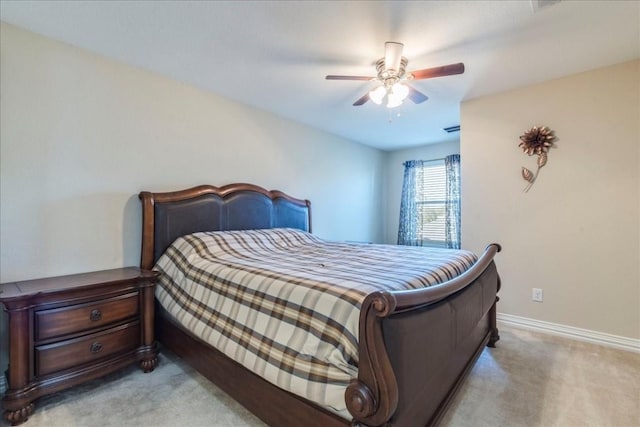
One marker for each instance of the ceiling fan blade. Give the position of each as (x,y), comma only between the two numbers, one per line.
(416,96)
(445,70)
(361,100)
(330,77)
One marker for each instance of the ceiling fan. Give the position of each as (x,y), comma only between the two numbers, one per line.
(392,78)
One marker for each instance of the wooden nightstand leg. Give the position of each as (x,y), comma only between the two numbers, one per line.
(150,350)
(17,406)
(19,416)
(148,365)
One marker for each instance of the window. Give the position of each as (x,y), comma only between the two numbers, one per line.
(430,206)
(431,194)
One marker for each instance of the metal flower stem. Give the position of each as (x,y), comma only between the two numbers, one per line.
(530,184)
(526,173)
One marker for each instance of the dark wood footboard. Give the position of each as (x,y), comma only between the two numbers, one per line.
(417,346)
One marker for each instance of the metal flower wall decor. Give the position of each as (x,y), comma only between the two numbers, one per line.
(536,140)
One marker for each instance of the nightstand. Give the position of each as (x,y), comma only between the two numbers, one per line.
(66,330)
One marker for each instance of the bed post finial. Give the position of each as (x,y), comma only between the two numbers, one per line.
(148,226)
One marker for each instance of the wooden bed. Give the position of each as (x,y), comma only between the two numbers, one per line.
(415,348)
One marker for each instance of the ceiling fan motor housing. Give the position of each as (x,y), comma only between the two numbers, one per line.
(390,76)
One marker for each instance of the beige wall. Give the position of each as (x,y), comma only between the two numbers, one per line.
(395,175)
(82,135)
(575,234)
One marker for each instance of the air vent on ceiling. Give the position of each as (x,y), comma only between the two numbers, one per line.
(536,5)
(452,129)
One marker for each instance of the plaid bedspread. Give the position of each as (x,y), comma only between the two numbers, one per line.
(285,304)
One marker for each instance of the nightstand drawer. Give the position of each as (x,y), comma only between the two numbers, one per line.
(65,354)
(77,318)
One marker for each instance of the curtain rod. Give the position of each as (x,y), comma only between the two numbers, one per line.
(430,160)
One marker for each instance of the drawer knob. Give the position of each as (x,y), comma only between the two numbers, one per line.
(95,315)
(96,347)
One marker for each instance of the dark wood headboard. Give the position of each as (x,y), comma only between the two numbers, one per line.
(167,216)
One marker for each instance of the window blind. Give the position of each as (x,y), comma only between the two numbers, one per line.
(431,196)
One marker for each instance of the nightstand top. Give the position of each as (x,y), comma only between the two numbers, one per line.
(12,290)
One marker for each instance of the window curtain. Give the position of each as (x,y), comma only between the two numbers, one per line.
(408,227)
(452,204)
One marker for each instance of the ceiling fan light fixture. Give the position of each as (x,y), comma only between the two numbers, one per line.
(378,94)
(393,102)
(396,94)
(399,91)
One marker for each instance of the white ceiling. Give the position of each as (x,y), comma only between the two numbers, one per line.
(274,55)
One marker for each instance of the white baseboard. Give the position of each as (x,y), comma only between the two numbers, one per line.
(615,341)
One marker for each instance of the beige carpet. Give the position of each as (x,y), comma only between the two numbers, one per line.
(530,379)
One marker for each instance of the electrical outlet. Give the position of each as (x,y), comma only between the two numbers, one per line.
(536,294)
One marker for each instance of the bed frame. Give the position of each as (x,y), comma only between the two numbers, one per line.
(415,349)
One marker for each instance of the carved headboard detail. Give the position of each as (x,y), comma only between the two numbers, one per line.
(169,215)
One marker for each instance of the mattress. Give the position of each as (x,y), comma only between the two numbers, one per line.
(286,304)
